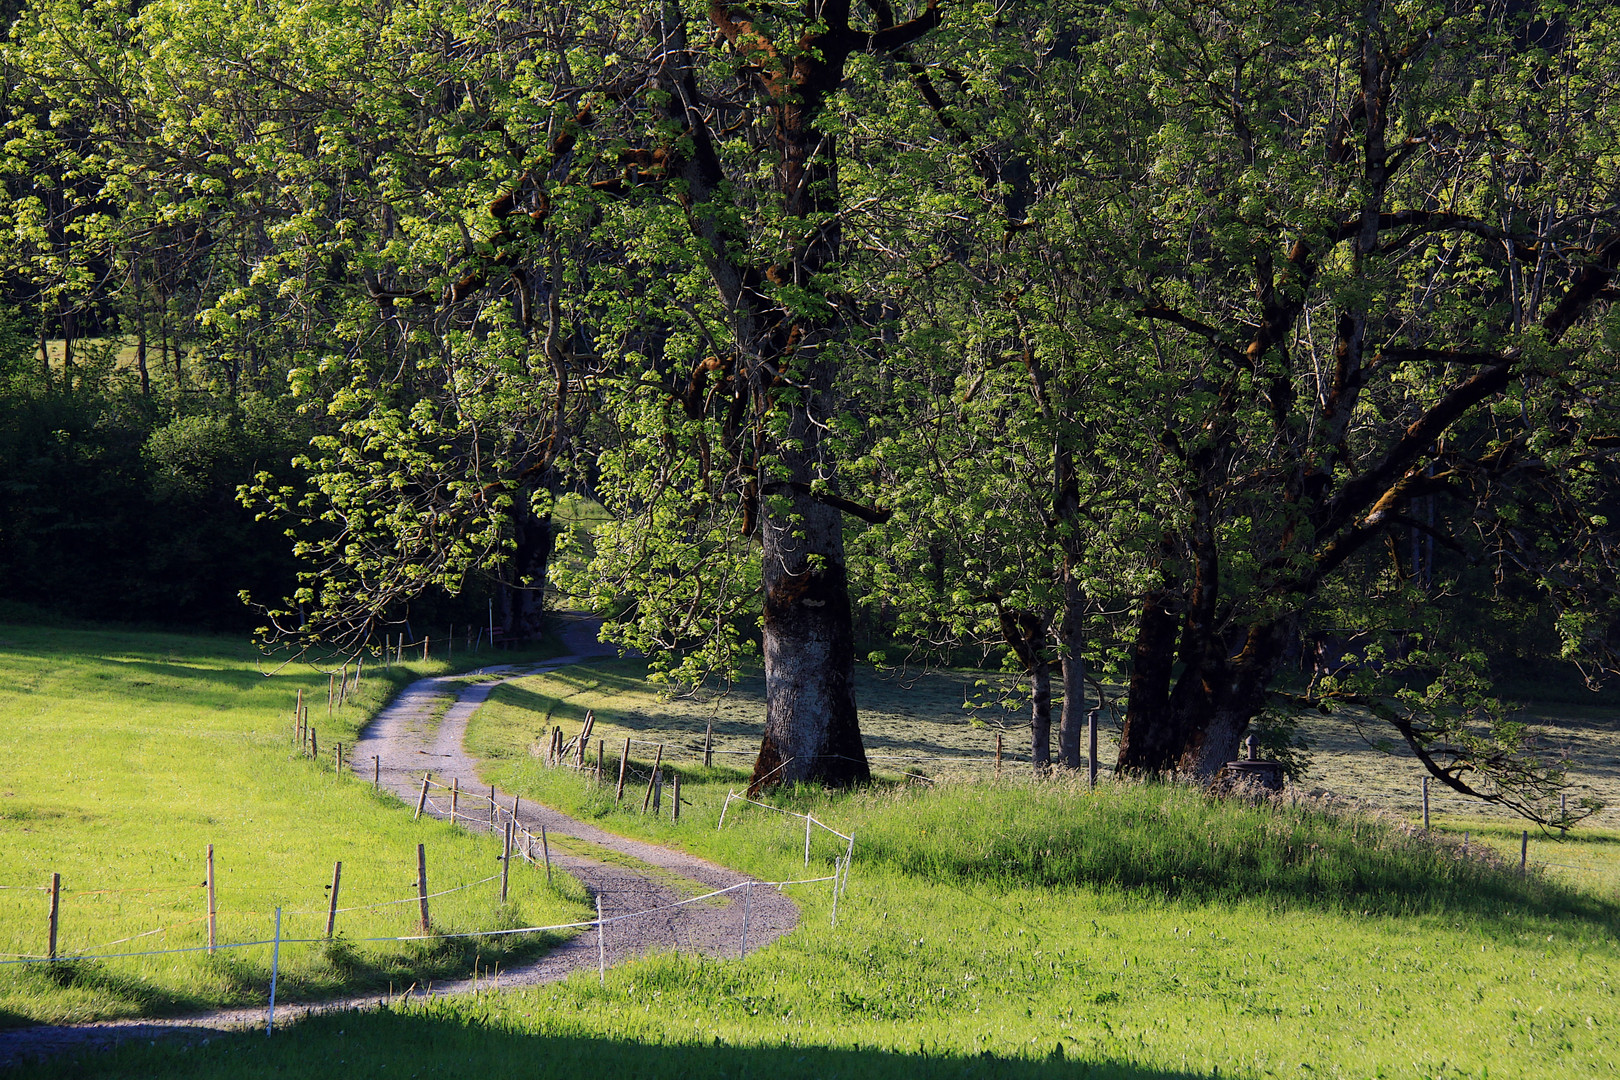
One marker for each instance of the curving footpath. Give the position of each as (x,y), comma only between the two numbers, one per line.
(407,743)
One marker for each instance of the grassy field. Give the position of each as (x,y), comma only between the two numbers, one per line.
(1007,928)
(127,754)
(1021,930)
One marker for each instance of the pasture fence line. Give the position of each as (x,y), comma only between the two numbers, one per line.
(518,841)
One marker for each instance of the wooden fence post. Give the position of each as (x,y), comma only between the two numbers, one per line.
(506,860)
(998,755)
(212,910)
(676,813)
(601,754)
(331,906)
(337,760)
(708,744)
(1425,804)
(1524,852)
(376,770)
(624,761)
(314,745)
(455,796)
(421,884)
(808,821)
(422,801)
(331,692)
(298,712)
(653,778)
(56,906)
(494,811)
(545,849)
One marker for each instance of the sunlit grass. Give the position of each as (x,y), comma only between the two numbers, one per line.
(128,754)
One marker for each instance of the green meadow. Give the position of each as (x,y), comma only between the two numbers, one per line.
(1018,929)
(127,754)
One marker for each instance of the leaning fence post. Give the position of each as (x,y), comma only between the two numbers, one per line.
(849,857)
(275,969)
(624,762)
(422,801)
(56,905)
(545,849)
(331,907)
(653,778)
(211,908)
(421,884)
(729,796)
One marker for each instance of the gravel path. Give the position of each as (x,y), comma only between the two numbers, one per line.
(408,743)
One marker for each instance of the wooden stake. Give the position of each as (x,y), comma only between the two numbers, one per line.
(808,821)
(314,744)
(298,712)
(212,909)
(331,691)
(493,809)
(514,808)
(1524,852)
(422,801)
(421,884)
(56,906)
(424,647)
(1091,737)
(1425,804)
(545,849)
(601,945)
(506,860)
(331,906)
(624,761)
(708,745)
(455,796)
(601,752)
(337,760)
(376,770)
(658,792)
(998,755)
(653,778)
(675,815)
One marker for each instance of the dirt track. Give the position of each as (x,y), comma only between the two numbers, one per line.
(408,743)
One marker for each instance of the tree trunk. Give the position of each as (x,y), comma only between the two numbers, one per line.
(1040,716)
(1071,635)
(811,730)
(1150,742)
(522,592)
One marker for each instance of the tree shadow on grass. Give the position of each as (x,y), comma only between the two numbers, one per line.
(416,1042)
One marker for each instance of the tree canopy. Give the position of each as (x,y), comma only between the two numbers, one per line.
(1251,355)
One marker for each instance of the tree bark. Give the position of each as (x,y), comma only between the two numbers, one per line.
(1071,635)
(522,592)
(811,730)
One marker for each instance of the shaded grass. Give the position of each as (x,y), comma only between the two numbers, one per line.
(129,753)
